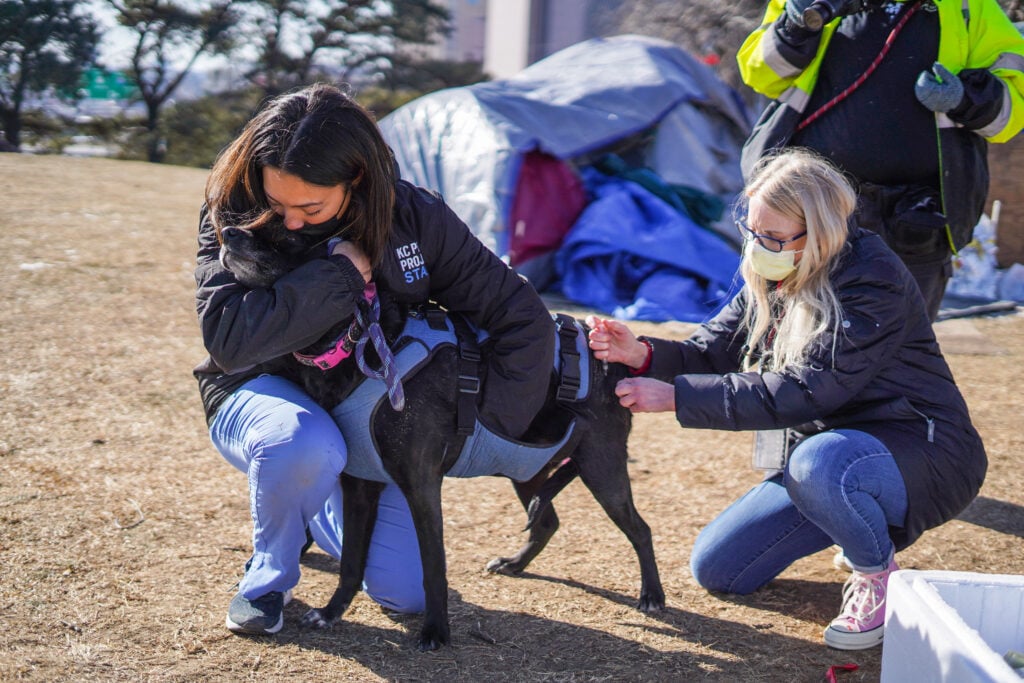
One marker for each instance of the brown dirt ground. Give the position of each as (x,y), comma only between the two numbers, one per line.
(122,531)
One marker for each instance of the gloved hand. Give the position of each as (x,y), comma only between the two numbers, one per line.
(795,11)
(824,12)
(939,89)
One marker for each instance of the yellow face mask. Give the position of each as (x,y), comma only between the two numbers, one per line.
(771,265)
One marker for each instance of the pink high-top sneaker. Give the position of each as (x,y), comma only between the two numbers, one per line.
(861,624)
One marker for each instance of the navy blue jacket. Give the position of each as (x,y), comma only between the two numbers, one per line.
(431,256)
(882,374)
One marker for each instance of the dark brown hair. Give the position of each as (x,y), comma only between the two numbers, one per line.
(324,137)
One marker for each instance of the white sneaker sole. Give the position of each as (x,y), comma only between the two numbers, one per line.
(238,628)
(850,640)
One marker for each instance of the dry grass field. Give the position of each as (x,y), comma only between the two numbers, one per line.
(122,531)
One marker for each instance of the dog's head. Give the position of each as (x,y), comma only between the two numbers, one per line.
(259,256)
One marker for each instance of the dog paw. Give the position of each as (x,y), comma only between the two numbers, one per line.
(651,603)
(314,618)
(431,638)
(507,566)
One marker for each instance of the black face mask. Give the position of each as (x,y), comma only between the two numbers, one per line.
(314,234)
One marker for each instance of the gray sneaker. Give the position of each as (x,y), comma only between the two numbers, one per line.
(261,616)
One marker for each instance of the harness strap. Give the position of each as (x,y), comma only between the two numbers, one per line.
(437,318)
(469,374)
(569,377)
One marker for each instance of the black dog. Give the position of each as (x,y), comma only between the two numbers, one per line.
(420,443)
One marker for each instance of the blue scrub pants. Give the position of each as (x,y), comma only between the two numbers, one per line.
(293,453)
(840,487)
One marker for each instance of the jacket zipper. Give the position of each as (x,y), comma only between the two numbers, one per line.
(931,424)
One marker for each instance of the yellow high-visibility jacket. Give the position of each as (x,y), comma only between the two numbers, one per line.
(974,34)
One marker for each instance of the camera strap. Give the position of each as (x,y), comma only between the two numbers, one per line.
(867,72)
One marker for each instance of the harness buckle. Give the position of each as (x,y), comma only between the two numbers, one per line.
(469,384)
(436,318)
(568,389)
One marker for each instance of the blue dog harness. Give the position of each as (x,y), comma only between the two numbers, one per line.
(484,452)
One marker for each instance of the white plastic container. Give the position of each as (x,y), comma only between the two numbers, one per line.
(952,626)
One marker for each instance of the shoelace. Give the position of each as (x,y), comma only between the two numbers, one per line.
(860,591)
(372,332)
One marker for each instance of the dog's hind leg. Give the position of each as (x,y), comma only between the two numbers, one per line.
(542,522)
(360,499)
(565,473)
(603,470)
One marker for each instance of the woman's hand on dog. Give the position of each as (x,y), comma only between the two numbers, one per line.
(354,254)
(613,342)
(646,395)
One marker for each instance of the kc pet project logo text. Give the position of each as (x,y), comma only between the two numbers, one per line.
(410,259)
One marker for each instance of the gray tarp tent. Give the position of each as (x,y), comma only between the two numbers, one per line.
(468,143)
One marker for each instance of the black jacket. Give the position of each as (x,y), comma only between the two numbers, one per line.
(883,374)
(881,134)
(431,255)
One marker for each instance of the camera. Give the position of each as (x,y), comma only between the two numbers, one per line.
(820,12)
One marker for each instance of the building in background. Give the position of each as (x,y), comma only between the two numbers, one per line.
(465,43)
(508,35)
(521,32)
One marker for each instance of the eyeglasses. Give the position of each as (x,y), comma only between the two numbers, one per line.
(769,243)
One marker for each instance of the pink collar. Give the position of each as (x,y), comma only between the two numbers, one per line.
(343,346)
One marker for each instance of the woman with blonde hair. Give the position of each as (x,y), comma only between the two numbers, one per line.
(827,351)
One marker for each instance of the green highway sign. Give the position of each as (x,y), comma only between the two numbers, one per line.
(107,85)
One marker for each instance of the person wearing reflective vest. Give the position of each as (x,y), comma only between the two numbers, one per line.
(902,96)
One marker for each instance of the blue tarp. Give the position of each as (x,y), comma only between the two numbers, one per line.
(633,255)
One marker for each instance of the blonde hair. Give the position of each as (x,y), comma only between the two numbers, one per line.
(805,187)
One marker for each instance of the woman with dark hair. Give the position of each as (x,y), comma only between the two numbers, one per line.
(829,350)
(316,160)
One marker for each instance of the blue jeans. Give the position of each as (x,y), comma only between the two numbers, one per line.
(840,487)
(293,453)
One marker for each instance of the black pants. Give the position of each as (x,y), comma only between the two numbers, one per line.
(931,277)
(906,217)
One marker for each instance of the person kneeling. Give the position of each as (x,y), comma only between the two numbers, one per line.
(829,340)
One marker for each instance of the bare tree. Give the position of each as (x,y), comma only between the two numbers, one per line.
(711,30)
(1014,9)
(298,41)
(44,45)
(168,34)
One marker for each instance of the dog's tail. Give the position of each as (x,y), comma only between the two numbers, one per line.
(566,472)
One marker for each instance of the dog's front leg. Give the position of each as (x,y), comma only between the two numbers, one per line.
(360,499)
(425,504)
